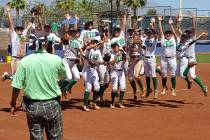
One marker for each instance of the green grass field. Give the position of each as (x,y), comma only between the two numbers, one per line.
(201,58)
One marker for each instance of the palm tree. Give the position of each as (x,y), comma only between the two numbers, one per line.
(66,4)
(134,4)
(18,5)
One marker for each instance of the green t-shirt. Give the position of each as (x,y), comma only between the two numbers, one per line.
(54,27)
(38,75)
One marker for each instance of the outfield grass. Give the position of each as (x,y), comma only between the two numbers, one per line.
(201,58)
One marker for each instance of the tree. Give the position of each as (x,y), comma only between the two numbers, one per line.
(151,12)
(1,14)
(66,4)
(134,4)
(18,5)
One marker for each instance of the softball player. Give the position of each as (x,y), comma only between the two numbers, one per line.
(118,59)
(150,61)
(18,42)
(89,33)
(136,61)
(93,58)
(188,61)
(104,68)
(72,49)
(168,57)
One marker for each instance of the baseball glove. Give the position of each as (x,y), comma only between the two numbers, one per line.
(107,57)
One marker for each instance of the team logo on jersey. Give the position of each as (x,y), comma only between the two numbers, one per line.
(120,42)
(168,43)
(148,43)
(74,45)
(119,58)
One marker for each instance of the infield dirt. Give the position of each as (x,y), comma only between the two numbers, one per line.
(184,117)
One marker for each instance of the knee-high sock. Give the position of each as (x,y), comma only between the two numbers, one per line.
(199,82)
(70,84)
(121,96)
(86,97)
(140,84)
(173,82)
(158,70)
(95,96)
(133,85)
(164,81)
(113,94)
(155,83)
(187,80)
(102,89)
(63,84)
(148,82)
(186,71)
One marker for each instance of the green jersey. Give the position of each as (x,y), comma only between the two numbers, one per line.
(38,75)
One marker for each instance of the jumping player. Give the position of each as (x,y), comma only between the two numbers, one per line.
(150,61)
(135,61)
(168,58)
(18,42)
(104,68)
(188,62)
(92,59)
(118,60)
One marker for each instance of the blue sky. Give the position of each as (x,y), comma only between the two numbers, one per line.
(200,4)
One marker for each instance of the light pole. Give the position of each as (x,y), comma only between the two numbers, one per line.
(180,7)
(111,15)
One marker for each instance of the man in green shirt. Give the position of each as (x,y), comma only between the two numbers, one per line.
(37,75)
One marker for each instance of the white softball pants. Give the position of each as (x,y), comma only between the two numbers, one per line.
(118,80)
(91,78)
(168,63)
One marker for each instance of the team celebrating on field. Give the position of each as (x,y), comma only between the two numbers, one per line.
(101,59)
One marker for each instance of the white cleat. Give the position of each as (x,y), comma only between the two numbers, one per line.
(3,78)
(155,94)
(112,106)
(96,106)
(121,105)
(173,92)
(163,91)
(86,108)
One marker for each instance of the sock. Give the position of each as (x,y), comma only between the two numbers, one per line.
(70,84)
(158,70)
(133,85)
(102,89)
(186,71)
(187,80)
(86,97)
(199,82)
(121,96)
(164,81)
(95,96)
(173,82)
(63,84)
(148,82)
(155,83)
(140,84)
(113,94)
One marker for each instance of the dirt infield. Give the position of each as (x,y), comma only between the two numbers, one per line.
(184,117)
